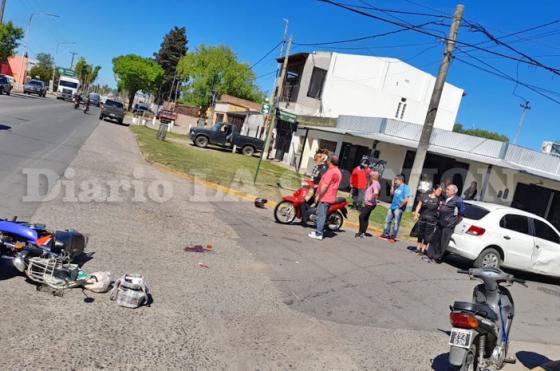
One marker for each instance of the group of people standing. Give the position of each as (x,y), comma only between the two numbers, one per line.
(436,215)
(438,211)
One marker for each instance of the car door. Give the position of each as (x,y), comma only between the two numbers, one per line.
(546,253)
(516,240)
(221,134)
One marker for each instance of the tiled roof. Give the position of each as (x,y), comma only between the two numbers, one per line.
(252,106)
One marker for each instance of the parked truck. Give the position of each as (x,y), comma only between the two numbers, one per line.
(226,135)
(67,87)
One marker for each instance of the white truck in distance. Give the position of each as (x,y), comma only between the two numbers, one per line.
(67,87)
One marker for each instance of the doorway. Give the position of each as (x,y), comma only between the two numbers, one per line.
(542,201)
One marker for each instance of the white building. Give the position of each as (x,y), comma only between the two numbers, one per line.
(551,148)
(329,85)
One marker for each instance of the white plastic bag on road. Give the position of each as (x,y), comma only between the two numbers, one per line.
(98,282)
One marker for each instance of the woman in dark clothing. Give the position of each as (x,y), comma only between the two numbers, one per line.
(425,215)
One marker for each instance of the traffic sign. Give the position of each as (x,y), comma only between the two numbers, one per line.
(287,116)
(265,108)
(66,72)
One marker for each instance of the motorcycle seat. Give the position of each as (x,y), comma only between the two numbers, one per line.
(339,200)
(480,309)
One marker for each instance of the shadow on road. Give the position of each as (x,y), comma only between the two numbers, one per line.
(5,127)
(441,362)
(7,270)
(532,359)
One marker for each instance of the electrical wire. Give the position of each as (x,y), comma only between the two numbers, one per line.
(497,72)
(266,55)
(373,16)
(372,7)
(368,37)
(266,74)
(394,46)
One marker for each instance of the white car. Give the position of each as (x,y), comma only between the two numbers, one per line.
(500,236)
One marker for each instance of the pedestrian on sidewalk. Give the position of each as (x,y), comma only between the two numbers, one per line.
(401,193)
(319,169)
(450,214)
(370,202)
(326,194)
(359,183)
(426,215)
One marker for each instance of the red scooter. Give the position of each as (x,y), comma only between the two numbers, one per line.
(289,209)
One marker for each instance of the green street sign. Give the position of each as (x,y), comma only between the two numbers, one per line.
(265,108)
(66,72)
(287,116)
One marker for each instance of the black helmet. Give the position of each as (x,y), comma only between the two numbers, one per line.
(259,202)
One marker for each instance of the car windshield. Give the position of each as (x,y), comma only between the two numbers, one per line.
(35,82)
(68,84)
(112,103)
(475,212)
(94,96)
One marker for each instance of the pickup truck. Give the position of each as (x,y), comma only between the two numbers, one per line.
(225,135)
(166,116)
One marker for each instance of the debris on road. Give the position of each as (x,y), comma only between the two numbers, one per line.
(98,282)
(202,265)
(198,248)
(260,202)
(131,291)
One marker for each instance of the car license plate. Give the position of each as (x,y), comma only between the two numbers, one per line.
(461,338)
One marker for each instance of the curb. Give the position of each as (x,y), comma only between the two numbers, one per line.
(238,194)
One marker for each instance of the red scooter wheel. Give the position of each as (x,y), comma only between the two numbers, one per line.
(285,212)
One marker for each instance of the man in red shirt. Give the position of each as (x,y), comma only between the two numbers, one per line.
(358,182)
(326,194)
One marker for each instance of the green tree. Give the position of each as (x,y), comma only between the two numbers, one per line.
(86,73)
(213,71)
(44,68)
(41,73)
(45,60)
(10,36)
(173,47)
(135,73)
(458,128)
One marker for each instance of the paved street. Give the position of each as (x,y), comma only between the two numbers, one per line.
(270,299)
(36,134)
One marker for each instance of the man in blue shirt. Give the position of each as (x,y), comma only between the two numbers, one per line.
(400,193)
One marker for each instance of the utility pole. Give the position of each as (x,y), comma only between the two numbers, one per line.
(525,107)
(2,11)
(424,142)
(275,103)
(72,60)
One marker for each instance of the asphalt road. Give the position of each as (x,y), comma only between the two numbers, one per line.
(270,299)
(41,134)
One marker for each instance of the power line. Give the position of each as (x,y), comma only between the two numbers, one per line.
(377,46)
(372,7)
(266,55)
(373,16)
(265,74)
(368,37)
(496,72)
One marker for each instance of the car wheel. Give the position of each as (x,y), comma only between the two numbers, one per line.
(489,258)
(8,92)
(248,151)
(201,141)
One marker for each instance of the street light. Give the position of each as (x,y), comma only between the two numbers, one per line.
(51,85)
(24,71)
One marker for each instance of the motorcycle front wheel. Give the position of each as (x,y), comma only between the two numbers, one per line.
(334,223)
(285,212)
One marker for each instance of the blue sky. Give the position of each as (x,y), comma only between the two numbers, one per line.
(104,29)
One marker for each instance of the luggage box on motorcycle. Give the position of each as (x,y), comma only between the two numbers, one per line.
(72,242)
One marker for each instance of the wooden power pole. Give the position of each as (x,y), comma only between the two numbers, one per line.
(2,8)
(275,103)
(424,142)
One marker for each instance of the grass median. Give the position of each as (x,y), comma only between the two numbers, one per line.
(236,171)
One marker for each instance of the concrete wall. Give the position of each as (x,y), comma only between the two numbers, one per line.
(374,86)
